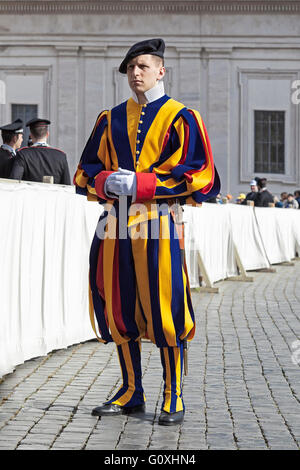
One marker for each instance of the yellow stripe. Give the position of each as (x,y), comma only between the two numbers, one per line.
(165,281)
(201,179)
(92,316)
(189,325)
(179,405)
(155,136)
(80,179)
(139,320)
(131,378)
(167,405)
(167,166)
(139,251)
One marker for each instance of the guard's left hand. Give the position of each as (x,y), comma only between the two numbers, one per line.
(121,183)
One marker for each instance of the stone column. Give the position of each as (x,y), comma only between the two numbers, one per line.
(189,76)
(218,111)
(67,121)
(92,89)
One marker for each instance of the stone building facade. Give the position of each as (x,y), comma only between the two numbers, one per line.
(237,62)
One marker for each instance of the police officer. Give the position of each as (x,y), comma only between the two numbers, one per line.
(12,136)
(39,160)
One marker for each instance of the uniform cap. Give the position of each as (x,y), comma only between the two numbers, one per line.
(37,122)
(150,46)
(16,127)
(253,183)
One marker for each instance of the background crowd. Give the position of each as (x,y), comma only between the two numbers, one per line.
(261,197)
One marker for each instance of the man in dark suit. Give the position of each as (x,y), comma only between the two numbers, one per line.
(264,196)
(39,160)
(12,136)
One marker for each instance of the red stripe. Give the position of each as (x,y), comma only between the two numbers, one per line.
(186,142)
(145,186)
(99,183)
(166,138)
(116,298)
(208,152)
(208,156)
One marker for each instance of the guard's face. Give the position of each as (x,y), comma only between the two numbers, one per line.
(19,140)
(143,72)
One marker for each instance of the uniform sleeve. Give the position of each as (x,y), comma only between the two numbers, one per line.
(18,168)
(95,163)
(185,167)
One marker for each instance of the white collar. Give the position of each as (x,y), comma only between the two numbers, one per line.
(40,144)
(153,94)
(9,148)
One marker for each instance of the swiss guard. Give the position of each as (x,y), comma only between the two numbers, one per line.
(144,158)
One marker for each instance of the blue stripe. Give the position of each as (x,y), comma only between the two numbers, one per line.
(135,354)
(82,191)
(163,362)
(124,388)
(120,136)
(163,191)
(90,162)
(97,300)
(177,302)
(150,111)
(127,282)
(152,256)
(200,197)
(173,380)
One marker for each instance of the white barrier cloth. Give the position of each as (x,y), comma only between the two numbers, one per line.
(246,237)
(45,235)
(208,232)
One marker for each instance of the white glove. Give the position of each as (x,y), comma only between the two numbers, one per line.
(121,183)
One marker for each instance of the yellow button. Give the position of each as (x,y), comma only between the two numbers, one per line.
(142,113)
(138,141)
(139,131)
(144,105)
(141,122)
(137,152)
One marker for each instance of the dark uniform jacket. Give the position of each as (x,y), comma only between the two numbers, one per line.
(32,163)
(252,196)
(264,198)
(6,163)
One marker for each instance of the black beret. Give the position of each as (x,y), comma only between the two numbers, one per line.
(150,46)
(16,127)
(37,122)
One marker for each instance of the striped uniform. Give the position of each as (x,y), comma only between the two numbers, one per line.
(138,285)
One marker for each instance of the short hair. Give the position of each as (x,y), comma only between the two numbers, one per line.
(7,136)
(262,183)
(159,60)
(39,132)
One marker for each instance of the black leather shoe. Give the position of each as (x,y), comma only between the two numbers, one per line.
(170,419)
(108,409)
(111,409)
(131,410)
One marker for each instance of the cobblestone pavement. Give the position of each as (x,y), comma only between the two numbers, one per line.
(242,391)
